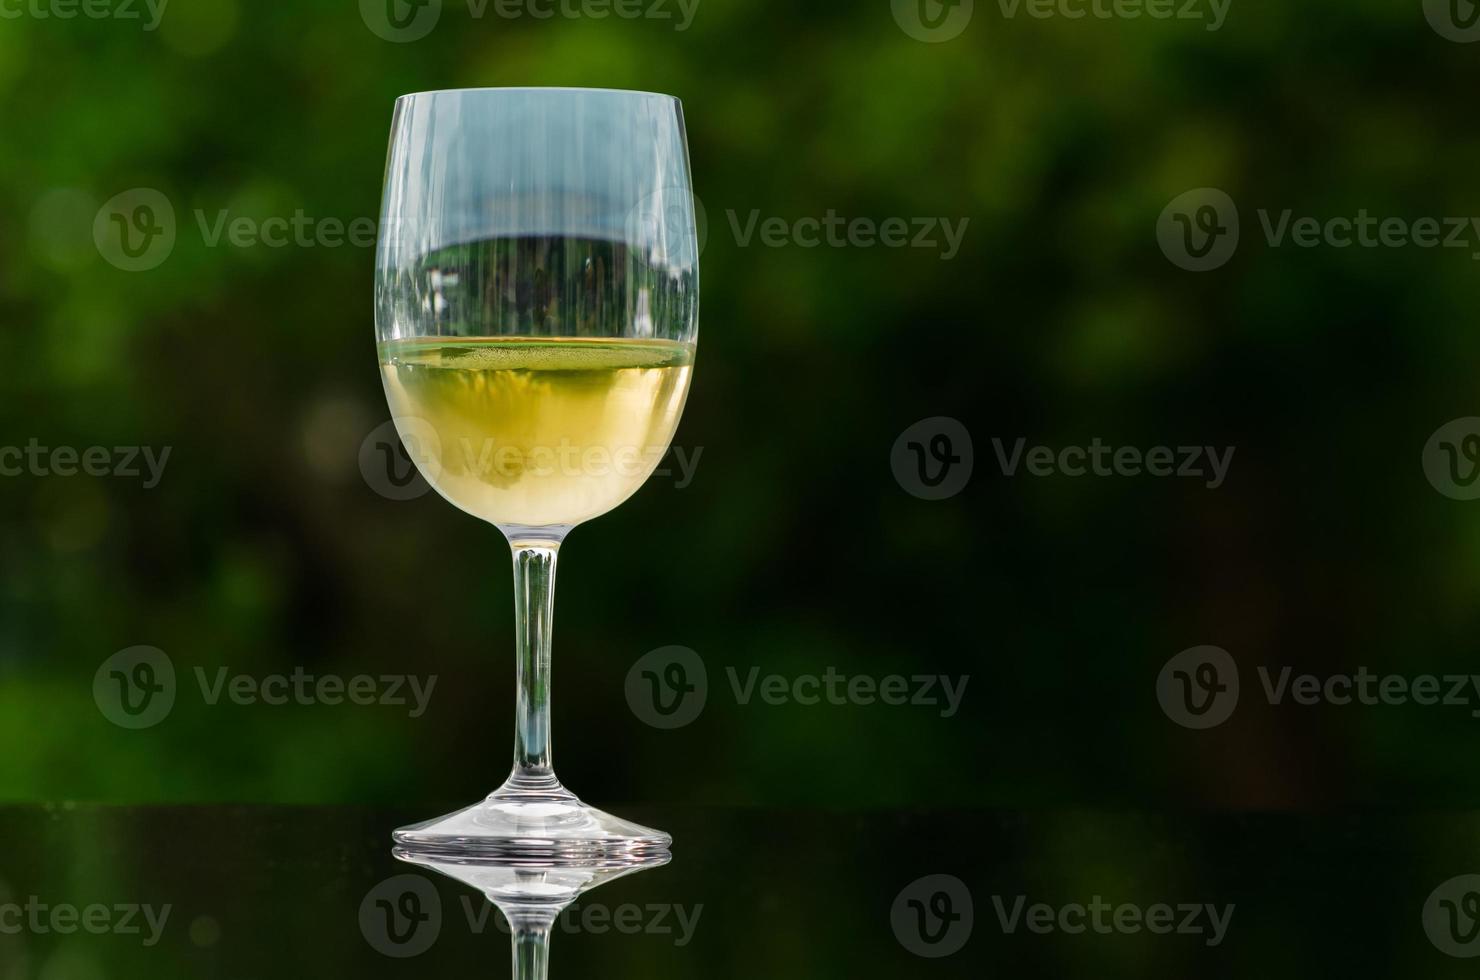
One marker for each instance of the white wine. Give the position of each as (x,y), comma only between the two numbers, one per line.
(536,431)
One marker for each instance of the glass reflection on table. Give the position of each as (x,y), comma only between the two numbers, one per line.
(532,892)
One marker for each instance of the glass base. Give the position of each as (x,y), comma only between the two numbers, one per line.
(531,886)
(524,824)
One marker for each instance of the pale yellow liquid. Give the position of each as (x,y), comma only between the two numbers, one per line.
(536,431)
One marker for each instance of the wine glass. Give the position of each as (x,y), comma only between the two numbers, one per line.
(536,312)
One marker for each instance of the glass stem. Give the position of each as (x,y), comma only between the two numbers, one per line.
(531,942)
(534,609)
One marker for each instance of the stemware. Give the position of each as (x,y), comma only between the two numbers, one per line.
(536,300)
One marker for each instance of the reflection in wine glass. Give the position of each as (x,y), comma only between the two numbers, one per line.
(532,892)
(536,308)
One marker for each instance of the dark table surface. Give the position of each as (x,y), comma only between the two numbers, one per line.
(252,892)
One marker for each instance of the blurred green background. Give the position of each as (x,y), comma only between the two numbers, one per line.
(262,548)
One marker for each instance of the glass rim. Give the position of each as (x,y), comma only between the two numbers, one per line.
(537,88)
